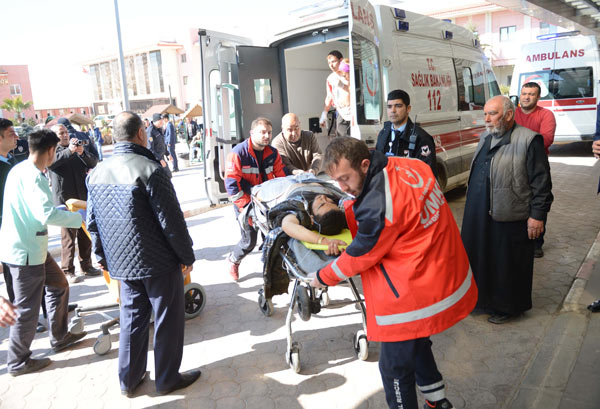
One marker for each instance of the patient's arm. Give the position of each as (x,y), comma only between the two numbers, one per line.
(292,227)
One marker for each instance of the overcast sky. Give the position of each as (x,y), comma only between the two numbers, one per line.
(54,37)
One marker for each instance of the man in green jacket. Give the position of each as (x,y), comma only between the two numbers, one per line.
(27,211)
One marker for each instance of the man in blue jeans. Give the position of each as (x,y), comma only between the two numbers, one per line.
(28,209)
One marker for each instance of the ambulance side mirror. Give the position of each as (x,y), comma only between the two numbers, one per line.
(514,99)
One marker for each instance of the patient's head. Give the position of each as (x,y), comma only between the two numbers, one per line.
(327,216)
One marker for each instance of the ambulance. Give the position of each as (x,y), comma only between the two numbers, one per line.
(566,66)
(439,64)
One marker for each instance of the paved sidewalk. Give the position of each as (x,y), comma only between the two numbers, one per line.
(546,359)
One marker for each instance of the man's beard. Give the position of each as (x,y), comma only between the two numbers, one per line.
(496,131)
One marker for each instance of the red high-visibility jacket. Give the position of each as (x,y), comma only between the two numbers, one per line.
(408,250)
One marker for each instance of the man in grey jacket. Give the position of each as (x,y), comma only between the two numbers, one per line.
(140,236)
(509,195)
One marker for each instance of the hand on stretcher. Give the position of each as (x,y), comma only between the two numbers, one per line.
(185,270)
(314,282)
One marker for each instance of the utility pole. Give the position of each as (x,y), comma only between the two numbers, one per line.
(121,61)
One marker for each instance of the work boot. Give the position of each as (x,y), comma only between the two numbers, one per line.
(185,380)
(440,404)
(32,365)
(234,270)
(73,279)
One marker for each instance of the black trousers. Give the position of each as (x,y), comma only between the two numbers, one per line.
(68,237)
(164,296)
(247,241)
(401,364)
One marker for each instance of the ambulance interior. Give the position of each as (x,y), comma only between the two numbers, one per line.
(306,71)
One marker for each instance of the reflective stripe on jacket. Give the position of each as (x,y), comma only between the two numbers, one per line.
(242,171)
(409,252)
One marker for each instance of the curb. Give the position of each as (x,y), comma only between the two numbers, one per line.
(571,302)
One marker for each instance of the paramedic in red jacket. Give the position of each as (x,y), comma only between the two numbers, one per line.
(414,268)
(249,164)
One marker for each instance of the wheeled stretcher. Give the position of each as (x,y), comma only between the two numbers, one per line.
(195,299)
(286,258)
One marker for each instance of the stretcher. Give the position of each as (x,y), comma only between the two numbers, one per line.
(195,298)
(283,255)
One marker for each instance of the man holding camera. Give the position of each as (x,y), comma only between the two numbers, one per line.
(73,161)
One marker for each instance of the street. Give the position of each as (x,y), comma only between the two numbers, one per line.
(241,352)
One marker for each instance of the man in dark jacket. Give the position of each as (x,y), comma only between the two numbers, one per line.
(139,233)
(170,140)
(82,136)
(400,136)
(156,140)
(68,173)
(508,197)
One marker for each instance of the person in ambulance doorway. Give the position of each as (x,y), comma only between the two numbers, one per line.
(401,137)
(250,163)
(333,61)
(415,272)
(508,196)
(540,120)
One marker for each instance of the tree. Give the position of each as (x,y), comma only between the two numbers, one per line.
(16,105)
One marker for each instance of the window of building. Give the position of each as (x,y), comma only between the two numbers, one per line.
(61,112)
(185,80)
(15,89)
(183,58)
(508,33)
(156,75)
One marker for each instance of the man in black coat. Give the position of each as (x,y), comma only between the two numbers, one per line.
(67,174)
(401,137)
(82,136)
(139,233)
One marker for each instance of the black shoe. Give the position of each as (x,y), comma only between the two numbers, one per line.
(538,253)
(69,340)
(40,328)
(131,392)
(186,379)
(91,271)
(32,365)
(501,318)
(440,404)
(595,306)
(72,307)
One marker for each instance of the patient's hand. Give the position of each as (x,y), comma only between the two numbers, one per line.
(333,246)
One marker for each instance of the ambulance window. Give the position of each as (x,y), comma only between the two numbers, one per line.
(262,91)
(471,91)
(493,87)
(368,81)
(215,82)
(561,84)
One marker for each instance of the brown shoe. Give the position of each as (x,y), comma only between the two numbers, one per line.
(234,270)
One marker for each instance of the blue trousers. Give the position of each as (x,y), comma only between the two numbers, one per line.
(164,296)
(173,155)
(401,364)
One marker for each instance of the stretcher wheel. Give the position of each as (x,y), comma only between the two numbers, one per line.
(195,300)
(325,299)
(76,325)
(102,344)
(265,304)
(293,358)
(303,303)
(361,345)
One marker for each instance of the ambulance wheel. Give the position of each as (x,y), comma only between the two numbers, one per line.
(103,344)
(294,358)
(265,305)
(195,300)
(76,325)
(361,345)
(303,303)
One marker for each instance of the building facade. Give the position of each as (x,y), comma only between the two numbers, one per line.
(14,81)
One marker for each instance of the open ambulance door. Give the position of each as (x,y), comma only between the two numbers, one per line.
(221,105)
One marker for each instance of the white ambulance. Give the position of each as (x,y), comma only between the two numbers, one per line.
(439,64)
(566,67)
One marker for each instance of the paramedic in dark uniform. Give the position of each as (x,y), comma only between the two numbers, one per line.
(400,136)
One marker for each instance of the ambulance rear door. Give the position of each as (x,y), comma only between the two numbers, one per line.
(221,105)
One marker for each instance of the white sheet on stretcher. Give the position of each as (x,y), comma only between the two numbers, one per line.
(275,191)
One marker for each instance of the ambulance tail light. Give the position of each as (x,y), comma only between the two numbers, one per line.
(402,26)
(447,35)
(558,35)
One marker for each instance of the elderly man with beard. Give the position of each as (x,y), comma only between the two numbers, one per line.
(508,197)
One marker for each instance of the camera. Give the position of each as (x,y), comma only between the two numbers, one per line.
(81,142)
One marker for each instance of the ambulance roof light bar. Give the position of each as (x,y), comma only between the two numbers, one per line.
(552,36)
(447,35)
(399,13)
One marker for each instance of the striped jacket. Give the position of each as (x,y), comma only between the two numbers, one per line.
(242,171)
(408,250)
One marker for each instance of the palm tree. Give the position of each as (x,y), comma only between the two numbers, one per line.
(16,105)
